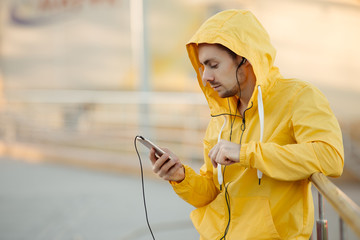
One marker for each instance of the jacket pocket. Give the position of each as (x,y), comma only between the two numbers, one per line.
(251,219)
(209,220)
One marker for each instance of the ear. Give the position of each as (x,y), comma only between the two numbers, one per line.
(241,60)
(246,62)
(238,59)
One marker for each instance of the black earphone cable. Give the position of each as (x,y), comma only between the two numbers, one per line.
(143,189)
(225,114)
(227,196)
(227,199)
(236,74)
(231,117)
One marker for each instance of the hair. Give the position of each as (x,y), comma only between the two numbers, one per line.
(229,51)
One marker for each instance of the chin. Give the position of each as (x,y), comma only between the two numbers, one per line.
(225,94)
(222,95)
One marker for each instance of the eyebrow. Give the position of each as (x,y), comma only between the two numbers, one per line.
(206,62)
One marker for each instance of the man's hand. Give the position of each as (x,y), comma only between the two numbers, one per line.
(224,153)
(169,169)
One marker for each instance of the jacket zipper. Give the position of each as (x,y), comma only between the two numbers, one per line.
(243,125)
(227,196)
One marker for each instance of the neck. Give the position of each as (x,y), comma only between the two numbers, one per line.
(246,91)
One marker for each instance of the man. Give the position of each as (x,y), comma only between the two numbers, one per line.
(266,137)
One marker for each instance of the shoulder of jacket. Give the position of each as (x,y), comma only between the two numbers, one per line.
(293,86)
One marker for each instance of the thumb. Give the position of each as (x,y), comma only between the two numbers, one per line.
(215,164)
(153,157)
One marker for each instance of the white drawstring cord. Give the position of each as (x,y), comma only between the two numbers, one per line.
(220,176)
(261,118)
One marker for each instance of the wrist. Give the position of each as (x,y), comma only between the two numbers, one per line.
(182,174)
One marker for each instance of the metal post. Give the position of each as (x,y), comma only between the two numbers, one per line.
(321,223)
(342,229)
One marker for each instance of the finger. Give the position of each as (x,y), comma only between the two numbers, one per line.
(160,162)
(219,157)
(173,172)
(213,152)
(214,163)
(152,156)
(166,168)
(213,155)
(222,158)
(171,154)
(166,150)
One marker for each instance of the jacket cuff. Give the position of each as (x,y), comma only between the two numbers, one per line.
(184,183)
(243,160)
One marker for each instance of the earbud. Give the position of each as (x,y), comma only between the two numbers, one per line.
(242,62)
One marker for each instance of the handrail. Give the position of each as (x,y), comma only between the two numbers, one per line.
(343,205)
(69,96)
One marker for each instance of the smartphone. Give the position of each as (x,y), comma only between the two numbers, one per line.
(147,143)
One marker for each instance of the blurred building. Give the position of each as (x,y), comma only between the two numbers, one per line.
(79,86)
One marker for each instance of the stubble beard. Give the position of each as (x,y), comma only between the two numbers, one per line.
(229,92)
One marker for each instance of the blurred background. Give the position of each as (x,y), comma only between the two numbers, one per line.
(79,79)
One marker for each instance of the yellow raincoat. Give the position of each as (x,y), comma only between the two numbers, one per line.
(301,136)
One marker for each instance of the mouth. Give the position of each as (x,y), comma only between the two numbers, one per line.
(215,87)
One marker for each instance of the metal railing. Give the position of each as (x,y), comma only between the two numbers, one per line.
(343,205)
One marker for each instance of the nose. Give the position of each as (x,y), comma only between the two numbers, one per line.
(207,76)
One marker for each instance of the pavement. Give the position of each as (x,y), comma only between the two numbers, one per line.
(49,201)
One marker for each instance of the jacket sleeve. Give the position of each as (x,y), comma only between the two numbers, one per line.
(197,189)
(318,143)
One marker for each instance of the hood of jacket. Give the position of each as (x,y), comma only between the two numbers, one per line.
(241,32)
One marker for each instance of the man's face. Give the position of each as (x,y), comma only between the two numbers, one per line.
(220,70)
